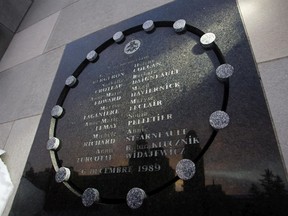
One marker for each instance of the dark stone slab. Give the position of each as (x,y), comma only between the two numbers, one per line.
(141,107)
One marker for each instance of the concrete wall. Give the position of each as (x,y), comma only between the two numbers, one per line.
(11,15)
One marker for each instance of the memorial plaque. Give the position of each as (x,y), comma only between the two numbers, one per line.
(127,121)
(161,118)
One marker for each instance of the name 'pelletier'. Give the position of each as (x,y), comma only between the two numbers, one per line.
(150,119)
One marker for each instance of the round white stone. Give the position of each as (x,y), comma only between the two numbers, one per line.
(70,81)
(219,120)
(135,198)
(63,174)
(224,71)
(118,37)
(53,143)
(179,25)
(148,25)
(56,111)
(185,169)
(207,39)
(91,56)
(90,196)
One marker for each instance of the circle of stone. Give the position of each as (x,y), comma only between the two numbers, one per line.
(135,198)
(185,169)
(63,174)
(118,37)
(148,25)
(219,119)
(90,196)
(224,71)
(53,143)
(91,56)
(56,111)
(70,81)
(207,39)
(179,25)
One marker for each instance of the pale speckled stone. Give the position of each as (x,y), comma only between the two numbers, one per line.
(148,26)
(53,143)
(207,40)
(70,81)
(135,198)
(63,174)
(118,37)
(219,120)
(224,71)
(91,56)
(185,169)
(179,25)
(57,111)
(90,196)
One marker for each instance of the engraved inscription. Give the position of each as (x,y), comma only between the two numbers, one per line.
(128,100)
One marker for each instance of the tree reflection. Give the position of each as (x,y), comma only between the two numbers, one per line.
(268,197)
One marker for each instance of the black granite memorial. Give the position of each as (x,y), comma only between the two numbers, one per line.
(157,118)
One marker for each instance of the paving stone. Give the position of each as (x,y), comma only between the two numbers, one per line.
(28,43)
(274,76)
(41,9)
(266,24)
(17,149)
(4,133)
(24,88)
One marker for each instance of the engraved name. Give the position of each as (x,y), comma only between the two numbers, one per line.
(101,114)
(108,100)
(105,127)
(146,90)
(90,159)
(150,119)
(155,153)
(109,88)
(145,66)
(163,144)
(146,105)
(154,135)
(99,142)
(144,77)
(108,78)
